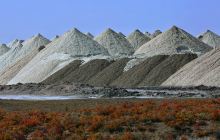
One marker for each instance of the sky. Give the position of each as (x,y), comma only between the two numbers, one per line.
(21,19)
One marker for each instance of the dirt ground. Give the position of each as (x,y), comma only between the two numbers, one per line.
(66,105)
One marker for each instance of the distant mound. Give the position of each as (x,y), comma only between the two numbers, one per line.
(173,41)
(116,44)
(210,38)
(204,70)
(137,39)
(19,55)
(20,50)
(58,54)
(3,49)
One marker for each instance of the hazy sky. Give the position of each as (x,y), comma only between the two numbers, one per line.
(23,18)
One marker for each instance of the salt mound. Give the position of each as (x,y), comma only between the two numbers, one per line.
(210,38)
(90,35)
(10,56)
(58,54)
(156,33)
(121,34)
(137,39)
(19,56)
(204,70)
(116,44)
(173,41)
(3,49)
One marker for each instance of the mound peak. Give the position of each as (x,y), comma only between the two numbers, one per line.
(116,44)
(173,41)
(137,39)
(210,38)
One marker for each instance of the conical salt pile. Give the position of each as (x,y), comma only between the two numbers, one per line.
(115,43)
(137,39)
(120,33)
(10,56)
(19,55)
(90,35)
(33,45)
(3,49)
(210,38)
(173,41)
(58,54)
(156,33)
(204,70)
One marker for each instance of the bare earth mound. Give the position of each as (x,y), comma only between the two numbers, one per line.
(166,68)
(86,71)
(64,72)
(204,70)
(109,74)
(134,76)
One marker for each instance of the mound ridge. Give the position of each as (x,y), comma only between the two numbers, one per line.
(137,39)
(116,44)
(173,41)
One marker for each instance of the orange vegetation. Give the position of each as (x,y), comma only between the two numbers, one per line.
(194,117)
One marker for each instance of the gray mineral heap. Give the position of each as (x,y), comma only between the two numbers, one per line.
(137,39)
(173,41)
(116,44)
(210,38)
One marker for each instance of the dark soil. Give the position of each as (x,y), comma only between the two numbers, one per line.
(165,69)
(63,73)
(134,76)
(109,74)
